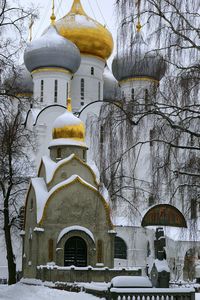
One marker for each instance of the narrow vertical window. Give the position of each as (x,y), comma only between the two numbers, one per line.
(82,89)
(99,90)
(151,137)
(67,90)
(41,90)
(132,94)
(146,98)
(56,91)
(101,134)
(92,70)
(193,209)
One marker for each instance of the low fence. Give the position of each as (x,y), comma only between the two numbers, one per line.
(87,274)
(144,294)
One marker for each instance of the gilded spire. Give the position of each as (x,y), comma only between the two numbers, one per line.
(77,8)
(69,104)
(138,26)
(53,17)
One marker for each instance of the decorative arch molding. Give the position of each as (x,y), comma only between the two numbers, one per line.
(164,215)
(66,230)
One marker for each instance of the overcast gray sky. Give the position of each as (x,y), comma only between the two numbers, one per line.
(101,10)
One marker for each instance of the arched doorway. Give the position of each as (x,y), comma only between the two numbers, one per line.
(75,252)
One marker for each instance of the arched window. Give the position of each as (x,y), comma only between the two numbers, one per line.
(67,90)
(75,252)
(82,89)
(146,98)
(56,91)
(21,217)
(120,248)
(41,90)
(101,134)
(132,94)
(92,70)
(99,90)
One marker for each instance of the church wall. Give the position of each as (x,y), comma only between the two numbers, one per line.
(91,88)
(139,253)
(75,205)
(70,168)
(30,240)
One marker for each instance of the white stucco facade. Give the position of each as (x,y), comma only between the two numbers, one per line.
(91,88)
(51,86)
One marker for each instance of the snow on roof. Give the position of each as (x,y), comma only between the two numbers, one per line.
(94,168)
(72,228)
(131,281)
(66,119)
(81,21)
(67,142)
(42,194)
(51,166)
(161,265)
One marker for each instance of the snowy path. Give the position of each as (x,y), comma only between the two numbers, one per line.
(26,292)
(21,291)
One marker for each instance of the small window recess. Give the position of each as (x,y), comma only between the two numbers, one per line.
(82,89)
(82,103)
(67,90)
(92,70)
(132,94)
(42,91)
(101,134)
(99,91)
(56,91)
(146,98)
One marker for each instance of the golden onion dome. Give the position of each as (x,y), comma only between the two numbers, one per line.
(67,126)
(87,34)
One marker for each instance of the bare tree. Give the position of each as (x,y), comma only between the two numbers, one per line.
(14,138)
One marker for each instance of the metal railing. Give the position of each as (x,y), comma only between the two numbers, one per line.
(144,294)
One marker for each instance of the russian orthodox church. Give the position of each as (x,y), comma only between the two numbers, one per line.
(66,208)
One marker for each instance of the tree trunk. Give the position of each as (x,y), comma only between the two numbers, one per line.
(9,248)
(10,257)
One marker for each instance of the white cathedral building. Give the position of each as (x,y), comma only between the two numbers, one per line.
(69,60)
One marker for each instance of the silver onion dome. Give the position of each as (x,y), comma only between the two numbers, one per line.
(52,50)
(110,86)
(138,62)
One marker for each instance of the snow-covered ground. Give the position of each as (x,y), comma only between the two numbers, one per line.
(21,291)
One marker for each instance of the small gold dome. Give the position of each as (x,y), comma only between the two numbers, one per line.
(88,35)
(67,126)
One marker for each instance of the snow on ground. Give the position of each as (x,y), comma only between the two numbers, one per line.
(21,291)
